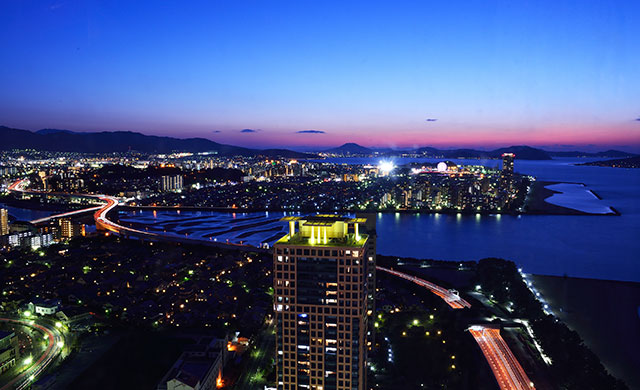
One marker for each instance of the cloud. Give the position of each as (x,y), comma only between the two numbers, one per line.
(310,132)
(217,131)
(638,119)
(431,119)
(249,131)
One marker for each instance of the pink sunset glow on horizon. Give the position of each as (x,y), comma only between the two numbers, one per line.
(625,136)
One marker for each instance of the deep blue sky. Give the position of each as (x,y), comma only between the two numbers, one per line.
(491,72)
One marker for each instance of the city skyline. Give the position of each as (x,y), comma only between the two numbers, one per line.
(483,75)
(324,195)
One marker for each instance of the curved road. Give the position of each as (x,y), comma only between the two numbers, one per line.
(56,343)
(452,298)
(103,222)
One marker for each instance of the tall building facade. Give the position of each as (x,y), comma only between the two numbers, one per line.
(171,183)
(4,222)
(370,230)
(321,300)
(506,175)
(69,230)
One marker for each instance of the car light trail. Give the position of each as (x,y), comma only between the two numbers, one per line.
(55,342)
(103,222)
(508,372)
(63,215)
(452,297)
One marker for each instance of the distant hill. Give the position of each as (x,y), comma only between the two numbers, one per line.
(521,152)
(607,153)
(350,149)
(121,141)
(630,162)
(54,131)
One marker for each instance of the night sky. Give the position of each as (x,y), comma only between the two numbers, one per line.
(559,74)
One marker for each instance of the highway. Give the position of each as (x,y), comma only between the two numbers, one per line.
(104,223)
(452,297)
(18,186)
(64,215)
(100,212)
(55,344)
(508,372)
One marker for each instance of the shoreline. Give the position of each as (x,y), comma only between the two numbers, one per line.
(359,211)
(587,306)
(549,209)
(537,204)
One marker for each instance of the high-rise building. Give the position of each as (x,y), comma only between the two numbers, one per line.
(507,163)
(171,183)
(69,230)
(506,175)
(4,222)
(370,230)
(321,276)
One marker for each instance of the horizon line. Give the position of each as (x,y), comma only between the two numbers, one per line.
(490,145)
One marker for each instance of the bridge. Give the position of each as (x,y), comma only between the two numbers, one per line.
(452,297)
(508,372)
(104,223)
(19,185)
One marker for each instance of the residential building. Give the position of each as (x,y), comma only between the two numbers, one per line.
(198,368)
(370,230)
(9,352)
(171,183)
(4,222)
(506,174)
(43,307)
(68,229)
(321,299)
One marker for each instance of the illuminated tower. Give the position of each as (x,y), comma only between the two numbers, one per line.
(4,222)
(506,175)
(320,301)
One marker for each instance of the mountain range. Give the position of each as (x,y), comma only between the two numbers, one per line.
(56,140)
(522,152)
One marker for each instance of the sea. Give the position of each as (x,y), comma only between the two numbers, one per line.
(587,246)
